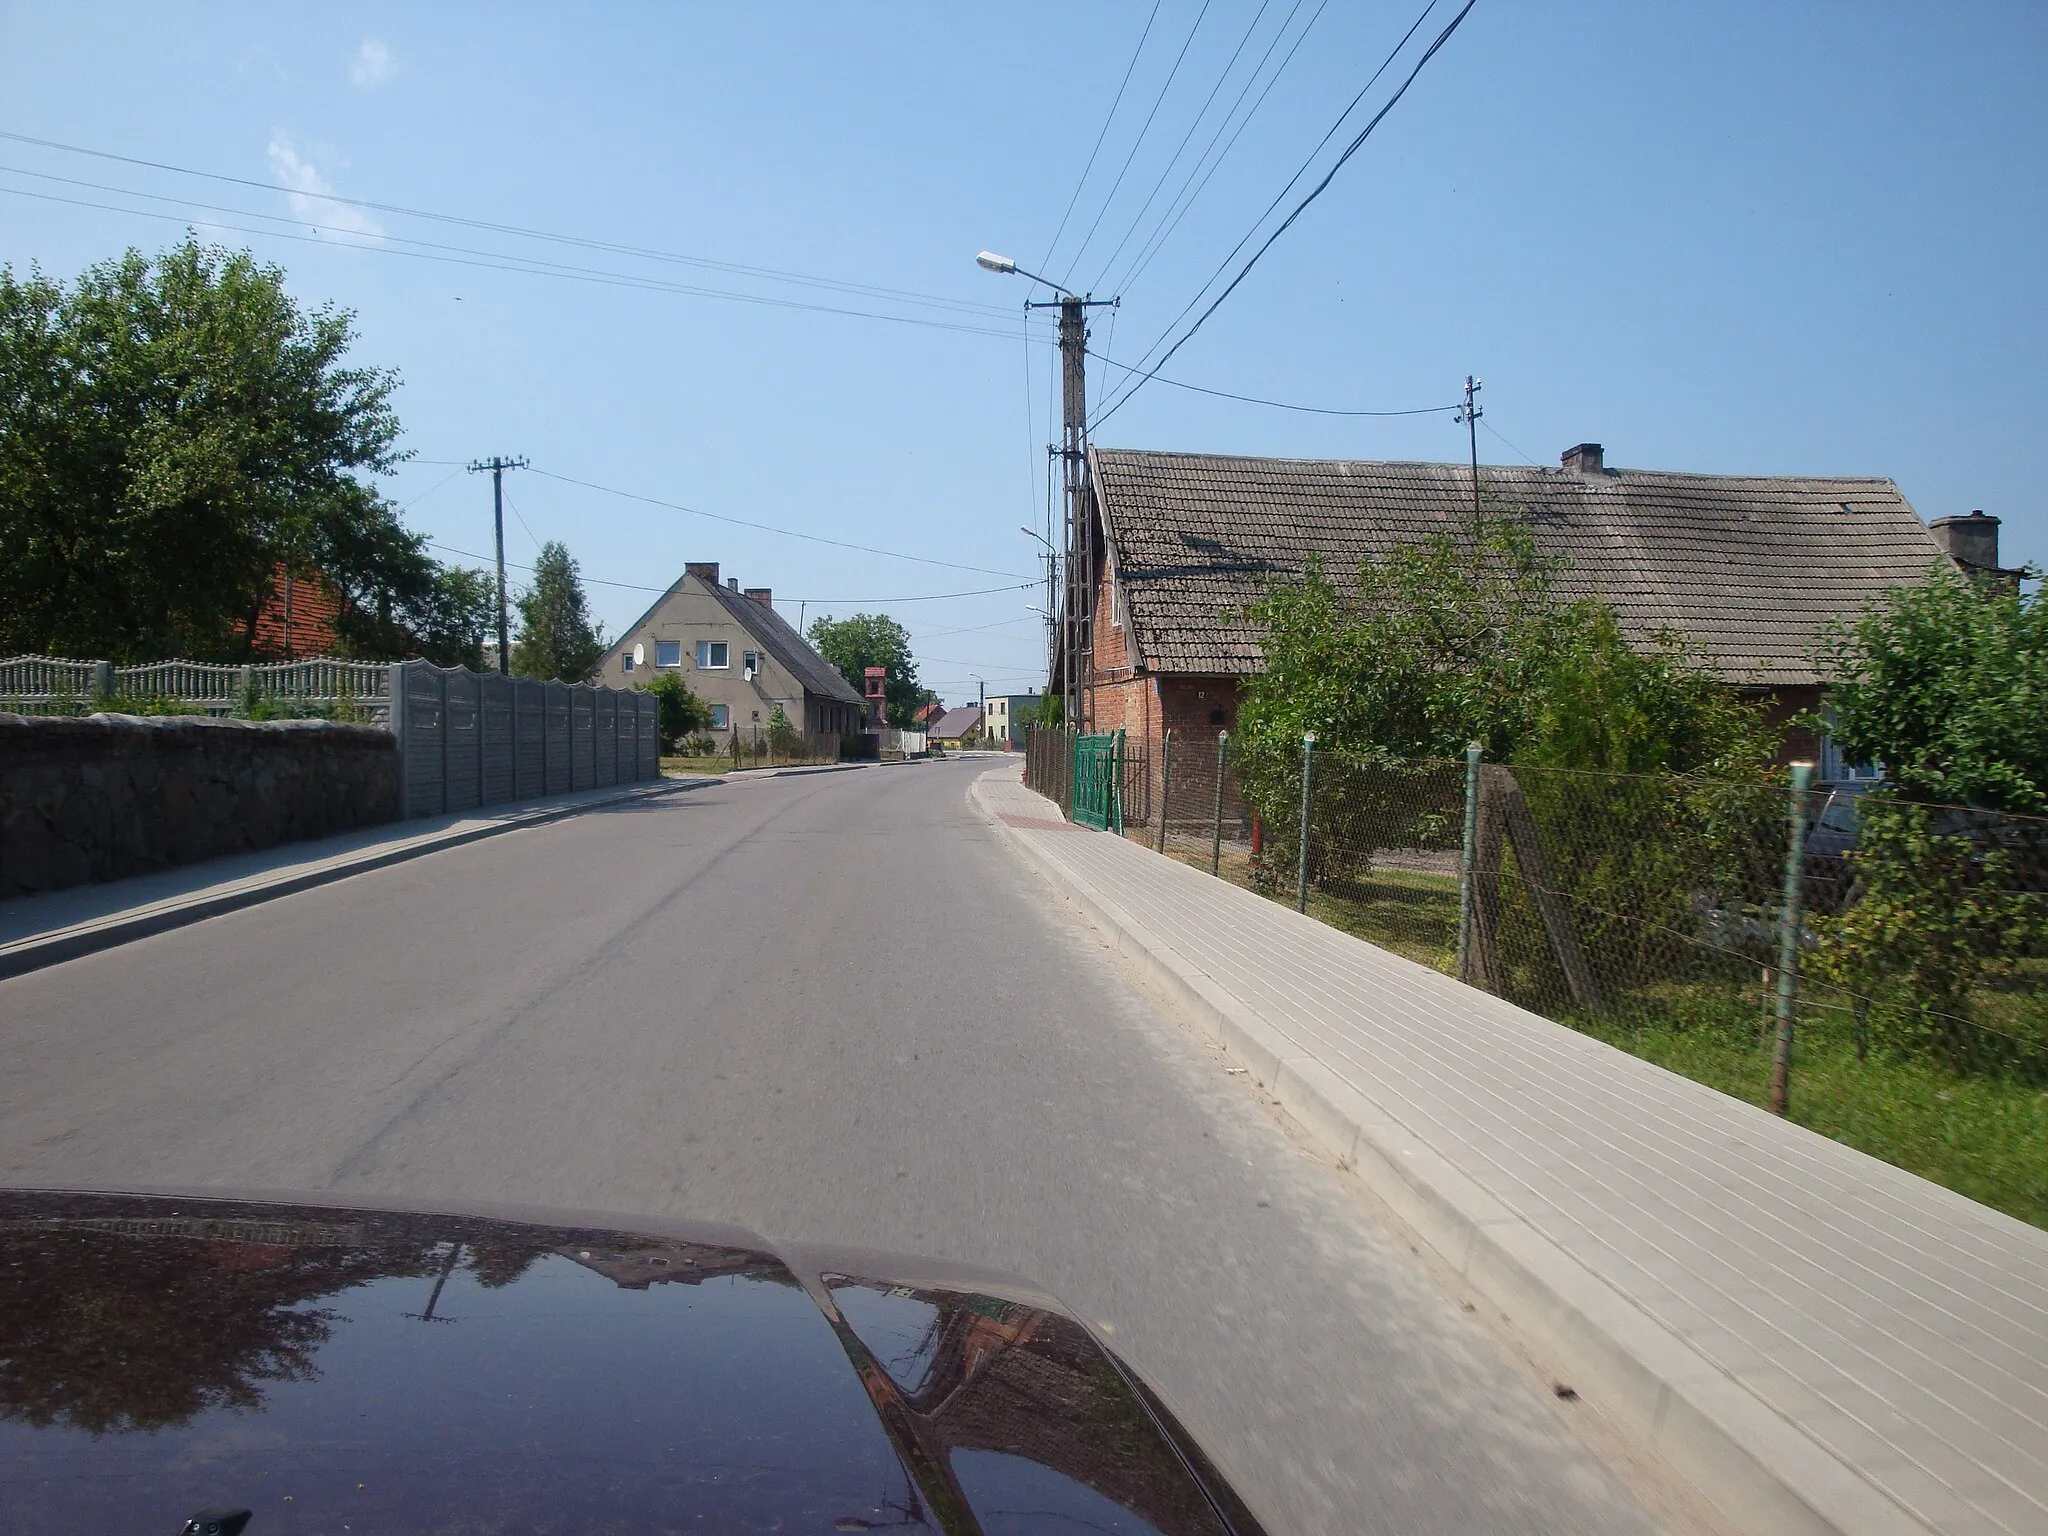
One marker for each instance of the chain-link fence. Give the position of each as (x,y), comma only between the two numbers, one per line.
(1736,915)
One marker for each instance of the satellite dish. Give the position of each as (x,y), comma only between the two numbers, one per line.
(639,655)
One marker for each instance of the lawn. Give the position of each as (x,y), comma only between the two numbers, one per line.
(1984,1136)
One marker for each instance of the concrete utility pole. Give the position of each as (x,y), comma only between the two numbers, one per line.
(497,465)
(1468,417)
(1077,642)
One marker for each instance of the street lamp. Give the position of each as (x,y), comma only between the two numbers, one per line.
(990,261)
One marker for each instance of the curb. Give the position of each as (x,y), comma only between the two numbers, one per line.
(1758,1467)
(45,949)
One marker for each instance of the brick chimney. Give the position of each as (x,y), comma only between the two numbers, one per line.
(763,595)
(1972,542)
(732,583)
(1586,459)
(704,570)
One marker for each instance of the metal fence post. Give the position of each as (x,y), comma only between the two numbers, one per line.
(1788,937)
(1216,841)
(1116,779)
(1308,754)
(1165,784)
(1466,861)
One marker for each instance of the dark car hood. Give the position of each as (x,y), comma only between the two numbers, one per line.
(350,1370)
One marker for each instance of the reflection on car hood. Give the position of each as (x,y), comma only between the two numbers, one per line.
(336,1369)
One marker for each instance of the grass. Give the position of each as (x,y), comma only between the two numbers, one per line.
(1983,1136)
(722,763)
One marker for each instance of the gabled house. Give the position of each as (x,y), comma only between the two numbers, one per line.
(956,727)
(737,654)
(1746,569)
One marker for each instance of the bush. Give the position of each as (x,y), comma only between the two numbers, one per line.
(682,712)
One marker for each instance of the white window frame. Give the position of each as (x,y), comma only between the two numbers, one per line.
(707,649)
(661,645)
(721,717)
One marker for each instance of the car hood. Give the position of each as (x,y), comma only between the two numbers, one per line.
(337,1368)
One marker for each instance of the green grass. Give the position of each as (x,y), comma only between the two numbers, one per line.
(719,764)
(1984,1136)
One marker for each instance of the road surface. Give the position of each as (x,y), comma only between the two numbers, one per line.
(828,1007)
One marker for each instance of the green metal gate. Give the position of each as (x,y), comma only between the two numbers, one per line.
(1098,781)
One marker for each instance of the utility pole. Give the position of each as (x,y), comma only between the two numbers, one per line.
(1076,606)
(1468,416)
(497,464)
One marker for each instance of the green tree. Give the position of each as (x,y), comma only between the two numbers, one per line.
(683,714)
(557,636)
(873,640)
(1946,684)
(1449,641)
(783,736)
(172,428)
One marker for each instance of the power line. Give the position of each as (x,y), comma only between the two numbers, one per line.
(1279,405)
(1046,264)
(1299,208)
(775,274)
(500,262)
(1143,129)
(1522,453)
(1180,148)
(1292,181)
(788,533)
(637,586)
(1185,199)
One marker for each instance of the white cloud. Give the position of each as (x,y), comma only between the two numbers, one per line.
(304,188)
(373,63)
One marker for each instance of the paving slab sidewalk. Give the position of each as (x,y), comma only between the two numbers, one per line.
(1820,1341)
(41,930)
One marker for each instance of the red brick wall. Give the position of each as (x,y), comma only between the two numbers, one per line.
(313,612)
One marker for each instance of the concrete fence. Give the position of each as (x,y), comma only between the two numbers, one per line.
(467,739)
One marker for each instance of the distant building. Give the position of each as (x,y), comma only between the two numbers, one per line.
(297,619)
(956,727)
(1007,712)
(737,654)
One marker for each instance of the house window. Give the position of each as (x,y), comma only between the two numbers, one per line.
(720,717)
(752,661)
(713,656)
(668,653)
(626,662)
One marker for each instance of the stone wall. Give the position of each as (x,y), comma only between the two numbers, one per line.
(114,795)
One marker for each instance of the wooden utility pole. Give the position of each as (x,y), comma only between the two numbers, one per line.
(497,465)
(1468,417)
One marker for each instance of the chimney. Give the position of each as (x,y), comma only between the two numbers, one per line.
(1972,542)
(1585,459)
(762,595)
(704,570)
(732,583)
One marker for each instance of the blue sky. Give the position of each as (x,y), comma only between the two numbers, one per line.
(1729,238)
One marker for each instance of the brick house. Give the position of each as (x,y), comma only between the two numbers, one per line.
(737,654)
(1747,568)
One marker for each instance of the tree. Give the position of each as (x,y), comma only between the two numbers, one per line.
(172,429)
(1946,684)
(874,640)
(682,712)
(1450,641)
(557,637)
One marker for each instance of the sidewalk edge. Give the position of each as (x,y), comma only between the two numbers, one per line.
(40,950)
(1755,1465)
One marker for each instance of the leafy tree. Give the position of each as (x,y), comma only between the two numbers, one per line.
(557,636)
(172,428)
(682,712)
(1450,641)
(874,640)
(1946,684)
(783,737)
(1049,710)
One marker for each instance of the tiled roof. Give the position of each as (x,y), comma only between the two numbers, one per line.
(955,722)
(779,638)
(1746,568)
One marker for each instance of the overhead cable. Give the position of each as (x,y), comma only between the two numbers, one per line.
(1143,129)
(649,253)
(1292,181)
(1279,405)
(1299,208)
(1046,264)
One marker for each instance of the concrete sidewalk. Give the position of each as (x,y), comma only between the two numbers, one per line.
(36,931)
(1819,1340)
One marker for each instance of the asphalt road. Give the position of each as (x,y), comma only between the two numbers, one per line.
(828,1007)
